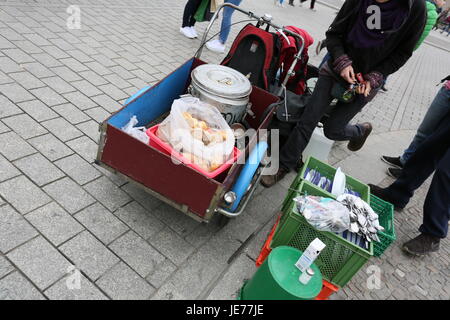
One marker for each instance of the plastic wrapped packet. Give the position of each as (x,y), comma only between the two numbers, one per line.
(137,132)
(324,214)
(199,132)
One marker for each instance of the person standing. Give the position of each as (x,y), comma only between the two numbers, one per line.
(313,2)
(355,46)
(438,109)
(187,27)
(433,155)
(218,45)
(447,27)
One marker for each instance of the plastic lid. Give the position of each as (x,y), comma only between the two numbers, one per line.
(222,81)
(282,267)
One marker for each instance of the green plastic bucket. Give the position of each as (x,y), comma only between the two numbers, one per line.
(277,279)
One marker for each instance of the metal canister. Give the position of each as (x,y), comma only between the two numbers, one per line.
(225,88)
(306,276)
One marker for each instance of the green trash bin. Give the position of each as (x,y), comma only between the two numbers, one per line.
(278,279)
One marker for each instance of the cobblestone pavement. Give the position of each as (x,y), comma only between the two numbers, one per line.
(58,209)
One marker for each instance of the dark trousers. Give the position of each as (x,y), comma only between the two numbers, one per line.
(312,3)
(433,154)
(189,12)
(337,126)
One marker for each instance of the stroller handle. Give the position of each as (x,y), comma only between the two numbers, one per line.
(262,20)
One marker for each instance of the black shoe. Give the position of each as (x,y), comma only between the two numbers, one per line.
(299,166)
(380,193)
(393,161)
(394,172)
(357,143)
(421,245)
(269,181)
(384,88)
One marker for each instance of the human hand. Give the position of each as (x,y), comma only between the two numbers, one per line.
(364,88)
(348,74)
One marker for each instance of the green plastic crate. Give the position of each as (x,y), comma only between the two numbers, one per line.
(385,212)
(339,261)
(329,172)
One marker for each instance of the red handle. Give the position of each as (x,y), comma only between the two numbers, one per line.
(359,78)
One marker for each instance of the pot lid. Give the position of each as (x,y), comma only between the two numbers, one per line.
(221,80)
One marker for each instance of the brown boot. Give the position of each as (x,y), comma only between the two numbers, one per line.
(268,181)
(357,143)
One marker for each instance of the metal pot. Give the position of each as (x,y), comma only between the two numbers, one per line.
(225,88)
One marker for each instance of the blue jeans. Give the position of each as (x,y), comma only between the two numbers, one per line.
(437,111)
(226,20)
(446,29)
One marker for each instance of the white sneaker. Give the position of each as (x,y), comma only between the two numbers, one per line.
(216,46)
(194,32)
(187,32)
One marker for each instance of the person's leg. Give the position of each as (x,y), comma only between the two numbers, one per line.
(226,21)
(419,167)
(437,110)
(337,126)
(312,4)
(321,98)
(436,209)
(189,12)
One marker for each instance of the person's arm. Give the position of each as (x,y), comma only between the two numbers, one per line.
(406,46)
(337,32)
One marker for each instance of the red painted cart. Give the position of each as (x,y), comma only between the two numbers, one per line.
(177,184)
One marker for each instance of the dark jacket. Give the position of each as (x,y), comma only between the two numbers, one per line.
(396,49)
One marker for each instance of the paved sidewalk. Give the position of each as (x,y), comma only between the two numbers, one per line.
(58,209)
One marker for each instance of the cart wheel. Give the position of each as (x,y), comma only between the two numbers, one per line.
(222,221)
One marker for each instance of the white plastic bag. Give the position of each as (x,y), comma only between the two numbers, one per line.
(137,132)
(199,132)
(339,182)
(324,214)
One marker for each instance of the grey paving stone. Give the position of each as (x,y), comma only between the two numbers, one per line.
(23,194)
(98,68)
(4,43)
(117,81)
(16,287)
(14,147)
(8,108)
(58,84)
(27,46)
(90,128)
(107,193)
(102,223)
(85,147)
(73,64)
(232,281)
(18,55)
(89,255)
(122,283)
(4,78)
(86,88)
(176,220)
(54,223)
(140,220)
(7,65)
(171,245)
(40,262)
(15,230)
(62,129)
(37,39)
(38,110)
(15,92)
(86,291)
(160,274)
(48,96)
(39,169)
(7,170)
(112,91)
(5,267)
(137,253)
(71,113)
(27,80)
(50,147)
(66,74)
(93,78)
(79,100)
(140,195)
(98,114)
(25,126)
(55,52)
(46,59)
(78,169)
(38,70)
(69,195)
